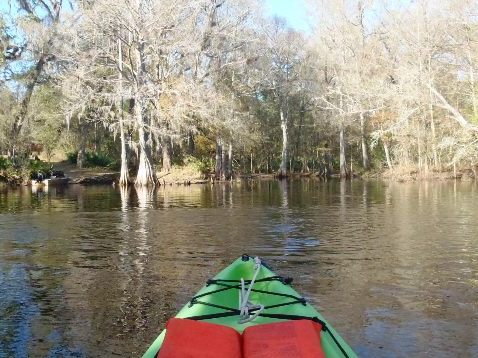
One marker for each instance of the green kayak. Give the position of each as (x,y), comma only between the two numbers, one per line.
(265,298)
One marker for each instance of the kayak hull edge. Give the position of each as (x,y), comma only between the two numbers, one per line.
(242,268)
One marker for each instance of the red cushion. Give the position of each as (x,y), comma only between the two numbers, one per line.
(193,339)
(298,339)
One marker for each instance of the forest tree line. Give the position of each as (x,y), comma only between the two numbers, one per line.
(371,85)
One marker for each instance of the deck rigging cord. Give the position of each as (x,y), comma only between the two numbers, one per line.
(246,308)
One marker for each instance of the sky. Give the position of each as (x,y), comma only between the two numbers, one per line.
(294,11)
(4,6)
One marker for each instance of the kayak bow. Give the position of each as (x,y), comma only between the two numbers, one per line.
(263,298)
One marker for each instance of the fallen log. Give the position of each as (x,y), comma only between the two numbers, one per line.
(107,178)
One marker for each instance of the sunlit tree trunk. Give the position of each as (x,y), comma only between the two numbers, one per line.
(365,160)
(81,157)
(419,147)
(472,84)
(229,162)
(166,153)
(146,174)
(387,153)
(474,169)
(343,161)
(283,125)
(218,168)
(299,136)
(223,162)
(433,133)
(124,173)
(432,118)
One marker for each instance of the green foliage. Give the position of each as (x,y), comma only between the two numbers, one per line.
(47,123)
(38,166)
(204,147)
(3,39)
(5,163)
(94,160)
(203,158)
(474,118)
(10,175)
(26,169)
(377,156)
(72,157)
(8,108)
(204,164)
(98,160)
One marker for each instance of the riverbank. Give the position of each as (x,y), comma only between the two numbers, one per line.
(178,175)
(405,174)
(190,174)
(187,174)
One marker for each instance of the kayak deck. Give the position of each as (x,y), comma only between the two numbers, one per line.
(218,302)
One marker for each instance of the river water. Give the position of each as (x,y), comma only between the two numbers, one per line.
(96,271)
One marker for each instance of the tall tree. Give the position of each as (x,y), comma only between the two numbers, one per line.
(37,23)
(280,67)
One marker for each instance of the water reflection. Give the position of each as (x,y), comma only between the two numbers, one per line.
(96,271)
(125,193)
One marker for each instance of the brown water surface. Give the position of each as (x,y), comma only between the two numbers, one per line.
(96,271)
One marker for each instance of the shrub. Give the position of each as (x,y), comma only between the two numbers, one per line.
(93,159)
(36,167)
(71,157)
(5,163)
(204,165)
(97,160)
(39,166)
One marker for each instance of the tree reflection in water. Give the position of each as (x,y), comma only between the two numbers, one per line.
(97,271)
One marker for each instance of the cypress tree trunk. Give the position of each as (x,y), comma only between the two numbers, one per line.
(81,157)
(419,149)
(328,165)
(433,132)
(218,168)
(474,169)
(343,161)
(166,149)
(229,163)
(191,145)
(224,164)
(297,151)
(283,164)
(124,173)
(146,174)
(387,154)
(365,160)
